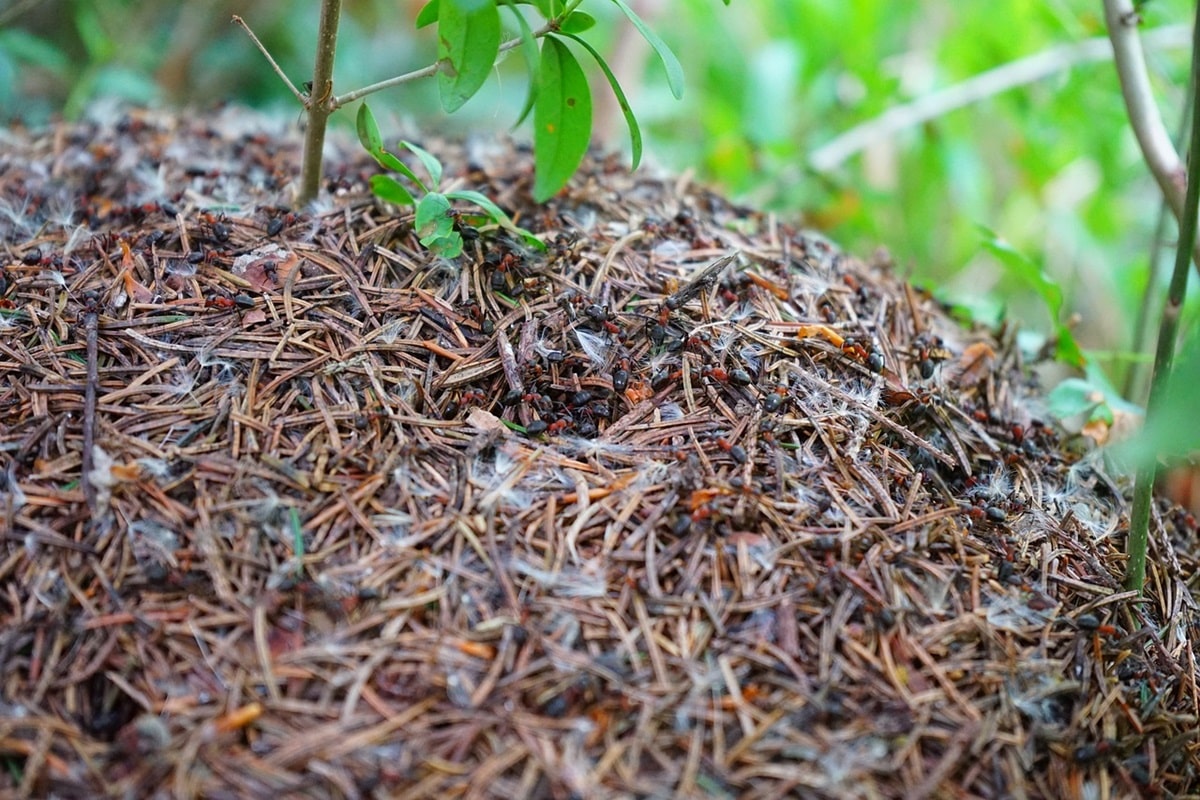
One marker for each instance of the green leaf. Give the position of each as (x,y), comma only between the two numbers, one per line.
(433,218)
(368,130)
(497,216)
(96,42)
(635,132)
(27,48)
(529,51)
(428,15)
(372,142)
(297,539)
(578,22)
(1024,269)
(1067,349)
(549,8)
(390,190)
(669,61)
(562,119)
(435,226)
(450,246)
(1021,266)
(429,161)
(481,200)
(389,161)
(468,43)
(1076,397)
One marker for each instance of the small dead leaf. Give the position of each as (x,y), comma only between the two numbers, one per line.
(973,366)
(1097,430)
(483,420)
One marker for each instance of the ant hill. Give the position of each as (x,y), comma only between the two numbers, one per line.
(687,502)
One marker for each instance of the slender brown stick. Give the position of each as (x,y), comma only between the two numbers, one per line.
(262,49)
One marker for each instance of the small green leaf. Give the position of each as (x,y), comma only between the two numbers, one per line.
(1075,397)
(483,202)
(550,8)
(669,61)
(468,43)
(1021,266)
(390,190)
(635,132)
(297,539)
(27,48)
(368,130)
(497,216)
(1024,269)
(428,15)
(1068,350)
(578,22)
(429,161)
(433,217)
(372,142)
(450,246)
(389,161)
(562,119)
(529,51)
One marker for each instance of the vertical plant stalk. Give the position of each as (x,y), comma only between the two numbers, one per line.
(1168,331)
(1121,17)
(320,101)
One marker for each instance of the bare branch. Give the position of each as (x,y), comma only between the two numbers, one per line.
(423,72)
(1152,137)
(278,70)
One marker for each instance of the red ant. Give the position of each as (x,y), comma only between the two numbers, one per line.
(222,302)
(736,451)
(474,397)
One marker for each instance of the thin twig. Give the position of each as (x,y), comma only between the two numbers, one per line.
(424,72)
(303,98)
(1153,139)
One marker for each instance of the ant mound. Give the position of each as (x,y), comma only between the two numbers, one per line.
(687,502)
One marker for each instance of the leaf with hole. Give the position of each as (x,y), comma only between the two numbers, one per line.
(562,119)
(449,246)
(433,218)
(468,43)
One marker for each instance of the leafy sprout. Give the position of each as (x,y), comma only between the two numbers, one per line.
(436,218)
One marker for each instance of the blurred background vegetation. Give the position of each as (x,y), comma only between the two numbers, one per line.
(787,108)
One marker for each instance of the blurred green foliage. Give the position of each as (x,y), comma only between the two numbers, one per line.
(1049,165)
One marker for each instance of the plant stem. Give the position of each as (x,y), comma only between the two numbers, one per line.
(1121,17)
(423,72)
(319,101)
(1164,356)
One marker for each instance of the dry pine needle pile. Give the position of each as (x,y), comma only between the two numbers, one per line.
(690,504)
